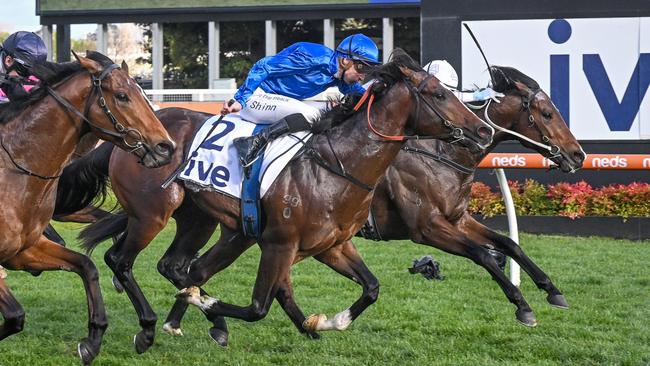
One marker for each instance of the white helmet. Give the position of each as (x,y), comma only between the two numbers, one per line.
(443,71)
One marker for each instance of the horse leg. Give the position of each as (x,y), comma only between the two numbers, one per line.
(12,312)
(275,265)
(440,233)
(46,255)
(288,304)
(227,249)
(345,260)
(192,233)
(120,258)
(510,248)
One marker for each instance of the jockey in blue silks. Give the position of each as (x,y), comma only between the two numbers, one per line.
(276,85)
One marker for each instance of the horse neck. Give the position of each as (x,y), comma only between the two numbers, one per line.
(45,135)
(363,153)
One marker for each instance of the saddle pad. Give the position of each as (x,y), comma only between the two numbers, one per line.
(216,165)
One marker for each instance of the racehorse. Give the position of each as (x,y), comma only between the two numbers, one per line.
(318,202)
(435,213)
(38,135)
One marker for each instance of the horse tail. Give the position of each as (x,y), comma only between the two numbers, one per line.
(108,227)
(84,181)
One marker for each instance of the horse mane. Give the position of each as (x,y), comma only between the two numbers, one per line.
(385,77)
(49,74)
(505,78)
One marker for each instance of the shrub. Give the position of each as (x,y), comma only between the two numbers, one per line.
(565,199)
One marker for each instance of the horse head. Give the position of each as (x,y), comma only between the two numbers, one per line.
(118,111)
(529,112)
(435,112)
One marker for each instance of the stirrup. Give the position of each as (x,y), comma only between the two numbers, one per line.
(247,165)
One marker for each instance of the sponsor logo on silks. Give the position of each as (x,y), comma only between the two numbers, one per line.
(646,163)
(619,115)
(262,106)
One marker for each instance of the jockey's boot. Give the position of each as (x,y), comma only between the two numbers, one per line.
(250,147)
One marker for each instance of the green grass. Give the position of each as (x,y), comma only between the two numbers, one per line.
(463,320)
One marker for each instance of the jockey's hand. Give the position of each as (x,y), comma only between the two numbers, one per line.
(231,106)
(487,93)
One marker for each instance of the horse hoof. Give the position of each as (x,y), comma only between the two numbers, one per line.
(86,352)
(171,330)
(219,335)
(557,301)
(118,286)
(142,342)
(526,318)
(311,323)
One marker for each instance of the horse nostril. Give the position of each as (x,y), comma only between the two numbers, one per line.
(484,132)
(165,148)
(579,156)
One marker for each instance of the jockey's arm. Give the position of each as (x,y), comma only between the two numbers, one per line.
(268,67)
(479,95)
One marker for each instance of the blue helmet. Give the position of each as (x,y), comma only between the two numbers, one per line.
(359,47)
(26,48)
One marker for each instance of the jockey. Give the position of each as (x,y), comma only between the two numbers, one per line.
(18,54)
(442,70)
(276,85)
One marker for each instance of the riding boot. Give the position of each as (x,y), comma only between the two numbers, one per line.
(249,147)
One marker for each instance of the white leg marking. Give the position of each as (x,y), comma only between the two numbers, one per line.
(193,296)
(167,328)
(341,321)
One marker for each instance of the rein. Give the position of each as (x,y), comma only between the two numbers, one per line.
(456,132)
(370,97)
(554,150)
(440,159)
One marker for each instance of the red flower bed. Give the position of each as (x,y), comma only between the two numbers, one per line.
(564,199)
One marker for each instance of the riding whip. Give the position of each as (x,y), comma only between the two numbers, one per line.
(481,50)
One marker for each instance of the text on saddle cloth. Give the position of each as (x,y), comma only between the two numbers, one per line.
(216,165)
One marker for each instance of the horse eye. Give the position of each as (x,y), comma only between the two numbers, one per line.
(547,115)
(122,97)
(439,96)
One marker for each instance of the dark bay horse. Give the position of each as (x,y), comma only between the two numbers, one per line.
(424,199)
(38,135)
(308,211)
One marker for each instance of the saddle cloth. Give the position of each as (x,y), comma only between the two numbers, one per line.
(216,165)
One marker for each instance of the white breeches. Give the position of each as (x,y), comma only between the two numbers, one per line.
(264,108)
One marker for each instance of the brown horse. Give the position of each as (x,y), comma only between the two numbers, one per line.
(319,201)
(38,135)
(435,213)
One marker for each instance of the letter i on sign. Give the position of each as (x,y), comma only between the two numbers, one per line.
(559,31)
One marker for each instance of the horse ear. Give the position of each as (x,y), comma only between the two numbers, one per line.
(408,73)
(125,67)
(521,87)
(92,66)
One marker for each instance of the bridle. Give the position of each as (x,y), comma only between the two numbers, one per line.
(554,150)
(130,136)
(456,132)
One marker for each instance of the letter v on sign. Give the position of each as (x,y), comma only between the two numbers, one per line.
(619,115)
